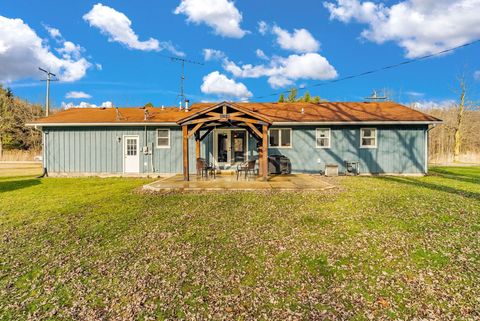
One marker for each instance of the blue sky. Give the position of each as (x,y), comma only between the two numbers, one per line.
(99,61)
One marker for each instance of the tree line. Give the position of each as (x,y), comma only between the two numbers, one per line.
(14,114)
(293,97)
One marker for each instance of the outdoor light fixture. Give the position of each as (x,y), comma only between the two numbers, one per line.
(119,139)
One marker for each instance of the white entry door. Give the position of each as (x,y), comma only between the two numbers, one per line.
(131,155)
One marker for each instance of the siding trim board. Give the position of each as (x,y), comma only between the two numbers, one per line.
(74,150)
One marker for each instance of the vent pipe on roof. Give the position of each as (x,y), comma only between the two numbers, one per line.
(186,104)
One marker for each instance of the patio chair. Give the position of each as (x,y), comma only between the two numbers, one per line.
(203,168)
(246,167)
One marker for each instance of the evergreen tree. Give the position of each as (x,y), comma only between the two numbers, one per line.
(281,99)
(149,104)
(292,96)
(316,99)
(306,97)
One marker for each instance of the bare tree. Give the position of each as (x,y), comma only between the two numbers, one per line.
(461,107)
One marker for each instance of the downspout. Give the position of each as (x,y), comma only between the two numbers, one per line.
(426,147)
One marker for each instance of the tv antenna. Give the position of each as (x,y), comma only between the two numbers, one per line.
(181,94)
(48,80)
(375,97)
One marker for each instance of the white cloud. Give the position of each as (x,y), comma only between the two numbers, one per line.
(262,27)
(213,54)
(22,51)
(285,71)
(221,15)
(220,85)
(118,27)
(419,26)
(415,94)
(83,104)
(77,95)
(260,54)
(53,32)
(476,75)
(300,41)
(432,104)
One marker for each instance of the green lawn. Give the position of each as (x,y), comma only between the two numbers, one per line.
(381,248)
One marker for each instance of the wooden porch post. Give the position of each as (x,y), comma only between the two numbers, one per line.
(186,176)
(197,146)
(265,152)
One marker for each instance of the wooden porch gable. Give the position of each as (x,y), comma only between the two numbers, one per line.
(221,116)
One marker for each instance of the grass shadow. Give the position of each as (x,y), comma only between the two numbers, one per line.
(12,185)
(416,182)
(466,175)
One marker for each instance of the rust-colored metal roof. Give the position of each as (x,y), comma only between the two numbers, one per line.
(277,112)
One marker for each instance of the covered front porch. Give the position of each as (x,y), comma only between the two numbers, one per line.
(229,182)
(229,128)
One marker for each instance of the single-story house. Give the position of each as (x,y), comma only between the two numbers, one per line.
(383,137)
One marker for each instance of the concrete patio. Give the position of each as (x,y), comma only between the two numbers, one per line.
(229,182)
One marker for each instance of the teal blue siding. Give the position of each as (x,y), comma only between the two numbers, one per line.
(97,150)
(400,149)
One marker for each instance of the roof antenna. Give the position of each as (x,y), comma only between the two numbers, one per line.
(181,94)
(375,97)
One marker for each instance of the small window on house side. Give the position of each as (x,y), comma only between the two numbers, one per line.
(368,137)
(323,137)
(280,137)
(163,138)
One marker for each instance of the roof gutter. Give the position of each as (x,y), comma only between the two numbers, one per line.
(320,123)
(100,124)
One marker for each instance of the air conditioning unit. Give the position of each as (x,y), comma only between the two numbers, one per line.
(331,170)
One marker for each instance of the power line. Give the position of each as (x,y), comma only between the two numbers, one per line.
(405,62)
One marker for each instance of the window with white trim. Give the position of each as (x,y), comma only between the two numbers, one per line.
(280,137)
(163,138)
(368,137)
(323,137)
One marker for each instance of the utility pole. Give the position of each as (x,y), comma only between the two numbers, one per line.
(181,94)
(49,78)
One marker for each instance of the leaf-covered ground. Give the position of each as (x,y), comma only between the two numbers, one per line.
(376,248)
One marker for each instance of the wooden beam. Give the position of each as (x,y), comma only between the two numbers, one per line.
(206,134)
(194,130)
(186,174)
(234,114)
(224,110)
(201,120)
(209,125)
(265,151)
(252,133)
(197,149)
(247,120)
(255,129)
